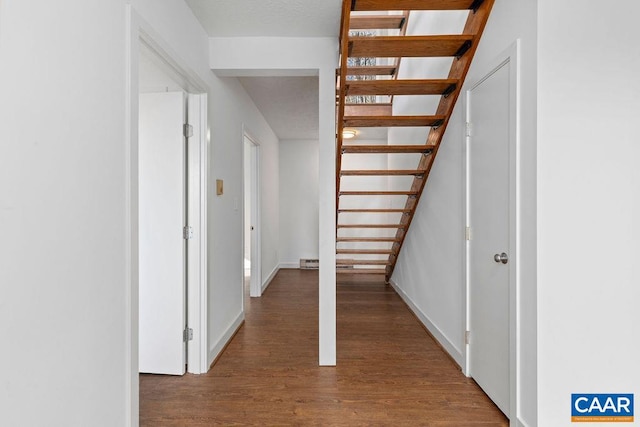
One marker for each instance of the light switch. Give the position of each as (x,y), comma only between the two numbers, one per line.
(219,187)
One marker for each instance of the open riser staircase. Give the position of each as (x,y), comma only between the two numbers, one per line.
(376,201)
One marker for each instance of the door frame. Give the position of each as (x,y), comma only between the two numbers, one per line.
(138,34)
(255,287)
(509,56)
(197,351)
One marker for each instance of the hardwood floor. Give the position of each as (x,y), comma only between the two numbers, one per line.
(390,371)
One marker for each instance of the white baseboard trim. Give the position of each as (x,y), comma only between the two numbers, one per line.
(290,264)
(269,279)
(520,423)
(225,338)
(449,347)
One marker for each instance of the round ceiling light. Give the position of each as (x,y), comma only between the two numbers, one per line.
(348,134)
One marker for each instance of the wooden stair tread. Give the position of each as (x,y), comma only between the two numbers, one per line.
(362,262)
(371,226)
(408,46)
(376,22)
(401,87)
(392,121)
(374,210)
(388,149)
(361,271)
(395,47)
(378,193)
(373,70)
(364,251)
(382,172)
(370,104)
(373,5)
(367,239)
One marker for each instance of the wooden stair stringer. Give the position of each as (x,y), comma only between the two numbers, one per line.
(461,47)
(475,25)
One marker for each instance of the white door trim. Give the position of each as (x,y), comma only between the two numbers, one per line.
(139,32)
(197,353)
(511,56)
(255,287)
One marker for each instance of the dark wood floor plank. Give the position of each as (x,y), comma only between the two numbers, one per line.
(390,371)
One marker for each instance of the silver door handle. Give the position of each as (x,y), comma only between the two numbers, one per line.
(503,258)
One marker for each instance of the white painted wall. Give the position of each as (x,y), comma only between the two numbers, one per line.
(231,110)
(63,213)
(269,200)
(286,56)
(63,154)
(588,203)
(430,272)
(299,208)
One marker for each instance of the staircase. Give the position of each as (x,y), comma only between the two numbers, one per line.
(372,223)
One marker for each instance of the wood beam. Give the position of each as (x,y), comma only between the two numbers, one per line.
(408,46)
(373,70)
(384,172)
(373,5)
(392,121)
(401,87)
(388,149)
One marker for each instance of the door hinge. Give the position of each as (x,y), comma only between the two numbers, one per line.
(468,128)
(187,335)
(467,233)
(187,232)
(467,337)
(187,130)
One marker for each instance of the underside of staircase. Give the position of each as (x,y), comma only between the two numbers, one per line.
(376,205)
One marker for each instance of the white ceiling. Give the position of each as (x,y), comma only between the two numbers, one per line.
(270,18)
(289,104)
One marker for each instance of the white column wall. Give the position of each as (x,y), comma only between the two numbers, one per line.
(63,214)
(588,203)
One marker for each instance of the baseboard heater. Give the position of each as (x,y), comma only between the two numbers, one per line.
(309,264)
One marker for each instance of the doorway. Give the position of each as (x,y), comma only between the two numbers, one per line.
(492,108)
(251,214)
(169,135)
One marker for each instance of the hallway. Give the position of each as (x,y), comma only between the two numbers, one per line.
(390,371)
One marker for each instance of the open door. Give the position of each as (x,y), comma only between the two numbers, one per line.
(252,264)
(162,250)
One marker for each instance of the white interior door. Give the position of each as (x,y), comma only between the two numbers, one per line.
(252,214)
(489,107)
(162,204)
